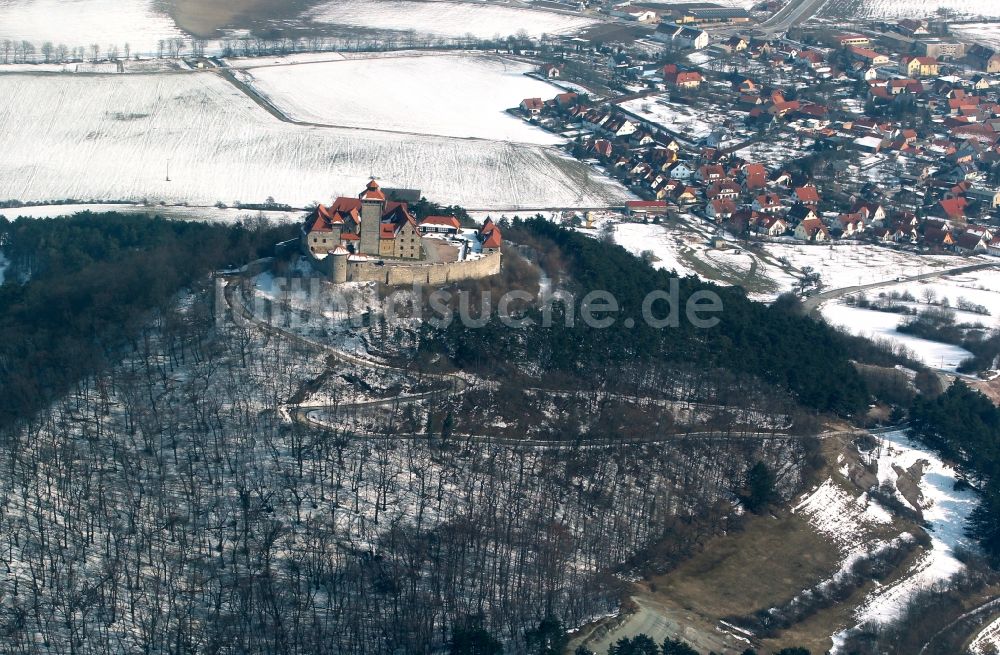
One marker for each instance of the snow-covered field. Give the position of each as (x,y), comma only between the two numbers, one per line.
(665,246)
(83,23)
(177,212)
(448,95)
(446,19)
(882,326)
(909,8)
(852,264)
(985,33)
(943,508)
(113,137)
(977,287)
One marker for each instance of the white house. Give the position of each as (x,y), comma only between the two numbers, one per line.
(680,36)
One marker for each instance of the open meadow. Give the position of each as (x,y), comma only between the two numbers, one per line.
(118,138)
(406,94)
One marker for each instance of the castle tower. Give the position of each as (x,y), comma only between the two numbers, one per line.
(338,265)
(372,208)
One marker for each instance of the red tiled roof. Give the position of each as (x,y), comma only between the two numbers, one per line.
(447,221)
(372,192)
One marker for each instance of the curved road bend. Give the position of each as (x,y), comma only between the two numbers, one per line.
(813,303)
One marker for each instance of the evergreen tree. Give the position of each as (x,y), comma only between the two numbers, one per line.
(470,638)
(548,638)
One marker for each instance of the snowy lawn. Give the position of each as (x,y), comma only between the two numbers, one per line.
(853,264)
(113,137)
(82,23)
(447,95)
(446,19)
(685,121)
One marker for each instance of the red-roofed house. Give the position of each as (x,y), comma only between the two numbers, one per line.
(918,66)
(812,230)
(808,196)
(532,106)
(440,225)
(954,208)
(754,177)
(683,80)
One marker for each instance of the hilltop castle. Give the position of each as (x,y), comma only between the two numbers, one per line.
(372,239)
(366,225)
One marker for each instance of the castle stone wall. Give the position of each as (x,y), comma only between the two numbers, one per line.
(431,274)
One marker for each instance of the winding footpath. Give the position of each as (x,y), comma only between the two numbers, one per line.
(455,385)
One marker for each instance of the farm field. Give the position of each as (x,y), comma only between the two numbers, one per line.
(987,34)
(113,138)
(83,23)
(908,8)
(405,94)
(445,19)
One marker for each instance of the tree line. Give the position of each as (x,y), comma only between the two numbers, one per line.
(80,288)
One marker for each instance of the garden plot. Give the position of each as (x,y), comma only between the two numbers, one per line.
(684,121)
(84,23)
(114,138)
(446,19)
(909,8)
(447,95)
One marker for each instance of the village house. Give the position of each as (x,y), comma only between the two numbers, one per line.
(808,196)
(681,36)
(800,213)
(532,106)
(918,66)
(720,209)
(767,203)
(772,226)
(683,80)
(870,57)
(851,224)
(754,177)
(812,230)
(969,243)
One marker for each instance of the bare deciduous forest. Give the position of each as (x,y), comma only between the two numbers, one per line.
(170,505)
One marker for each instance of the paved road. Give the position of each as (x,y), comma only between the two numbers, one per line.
(812,303)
